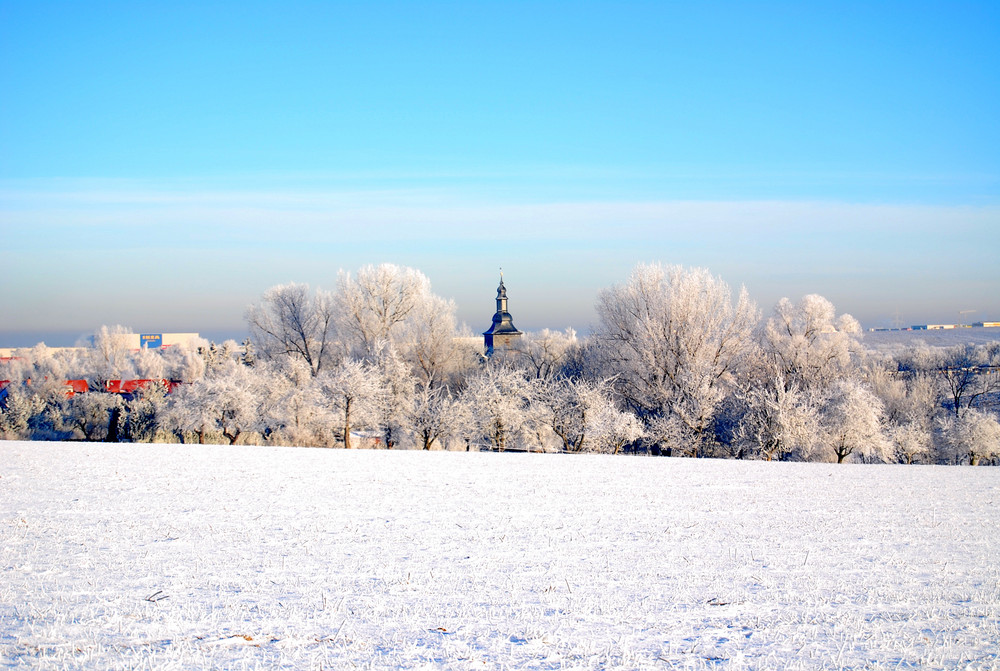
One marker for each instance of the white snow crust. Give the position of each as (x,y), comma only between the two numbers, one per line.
(180,557)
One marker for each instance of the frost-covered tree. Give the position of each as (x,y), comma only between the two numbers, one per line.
(674,341)
(237,398)
(233,401)
(912,442)
(610,429)
(352,392)
(544,352)
(373,305)
(41,362)
(190,410)
(434,416)
(427,340)
(503,405)
(183,364)
(967,374)
(291,321)
(809,344)
(779,421)
(299,414)
(221,357)
(904,395)
(910,402)
(150,364)
(248,353)
(35,400)
(928,381)
(584,416)
(394,402)
(973,436)
(112,357)
(144,412)
(851,422)
(20,408)
(569,404)
(95,415)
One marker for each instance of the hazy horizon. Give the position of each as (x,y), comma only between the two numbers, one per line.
(76,338)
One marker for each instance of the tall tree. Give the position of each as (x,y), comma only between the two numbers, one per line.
(95,415)
(290,321)
(394,402)
(810,346)
(232,401)
(674,340)
(299,414)
(427,340)
(111,356)
(373,305)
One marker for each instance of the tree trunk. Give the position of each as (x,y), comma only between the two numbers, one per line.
(347,425)
(113,422)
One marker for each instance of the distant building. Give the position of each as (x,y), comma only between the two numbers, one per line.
(503,332)
(159,340)
(987,324)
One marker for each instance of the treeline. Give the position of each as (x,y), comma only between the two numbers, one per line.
(677,365)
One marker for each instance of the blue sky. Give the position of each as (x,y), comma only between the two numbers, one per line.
(162,164)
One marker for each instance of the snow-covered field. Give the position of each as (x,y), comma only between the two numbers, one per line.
(138,556)
(890,341)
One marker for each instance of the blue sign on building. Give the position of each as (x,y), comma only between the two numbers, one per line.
(151,340)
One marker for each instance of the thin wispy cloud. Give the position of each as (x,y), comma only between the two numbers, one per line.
(449,214)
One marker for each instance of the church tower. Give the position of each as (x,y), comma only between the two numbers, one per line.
(503,332)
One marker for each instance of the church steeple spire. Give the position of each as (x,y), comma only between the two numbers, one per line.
(501,295)
(502,332)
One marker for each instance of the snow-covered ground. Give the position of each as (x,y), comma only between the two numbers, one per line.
(890,341)
(139,556)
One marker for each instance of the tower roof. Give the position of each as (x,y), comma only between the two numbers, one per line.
(503,323)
